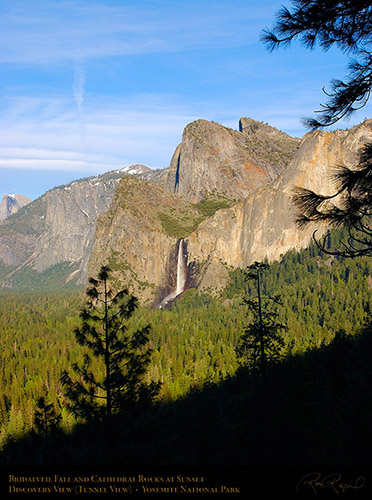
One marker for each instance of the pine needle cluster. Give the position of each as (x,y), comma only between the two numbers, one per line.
(345,24)
(350,206)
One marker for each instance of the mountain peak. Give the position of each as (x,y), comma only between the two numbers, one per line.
(136,169)
(248,126)
(216,160)
(11,203)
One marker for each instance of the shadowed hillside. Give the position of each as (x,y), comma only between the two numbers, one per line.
(315,409)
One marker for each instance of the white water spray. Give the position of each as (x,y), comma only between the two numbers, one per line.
(181,277)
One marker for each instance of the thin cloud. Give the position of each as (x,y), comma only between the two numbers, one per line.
(45,32)
(70,103)
(49,159)
(118,132)
(52,164)
(78,86)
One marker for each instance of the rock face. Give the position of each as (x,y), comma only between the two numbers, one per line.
(11,203)
(55,230)
(137,238)
(215,161)
(135,222)
(263,225)
(258,227)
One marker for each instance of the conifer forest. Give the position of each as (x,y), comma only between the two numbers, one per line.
(211,407)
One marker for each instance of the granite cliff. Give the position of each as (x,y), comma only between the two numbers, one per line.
(11,203)
(48,241)
(227,195)
(211,169)
(216,162)
(263,225)
(137,237)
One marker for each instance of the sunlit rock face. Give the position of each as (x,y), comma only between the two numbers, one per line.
(138,238)
(133,237)
(213,160)
(135,222)
(263,225)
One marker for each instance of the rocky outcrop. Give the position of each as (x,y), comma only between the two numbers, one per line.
(263,225)
(134,223)
(137,238)
(55,229)
(216,161)
(70,218)
(11,203)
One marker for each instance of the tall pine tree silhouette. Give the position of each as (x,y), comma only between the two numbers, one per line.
(261,344)
(125,356)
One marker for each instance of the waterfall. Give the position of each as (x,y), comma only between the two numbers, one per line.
(181,276)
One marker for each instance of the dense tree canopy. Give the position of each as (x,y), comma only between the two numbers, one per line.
(193,344)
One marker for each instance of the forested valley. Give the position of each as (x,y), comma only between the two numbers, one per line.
(209,408)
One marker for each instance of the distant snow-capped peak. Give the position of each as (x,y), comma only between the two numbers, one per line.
(135,169)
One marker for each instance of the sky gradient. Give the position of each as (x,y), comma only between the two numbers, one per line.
(89,86)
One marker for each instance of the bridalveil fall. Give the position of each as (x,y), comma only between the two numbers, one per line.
(181,276)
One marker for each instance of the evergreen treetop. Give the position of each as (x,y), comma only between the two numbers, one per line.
(124,355)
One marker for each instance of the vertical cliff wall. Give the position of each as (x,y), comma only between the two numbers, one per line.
(213,160)
(134,224)
(137,237)
(55,230)
(263,225)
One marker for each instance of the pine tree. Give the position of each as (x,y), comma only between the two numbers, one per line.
(124,356)
(46,419)
(261,344)
(347,25)
(350,206)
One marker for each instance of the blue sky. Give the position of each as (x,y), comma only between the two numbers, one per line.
(88,86)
